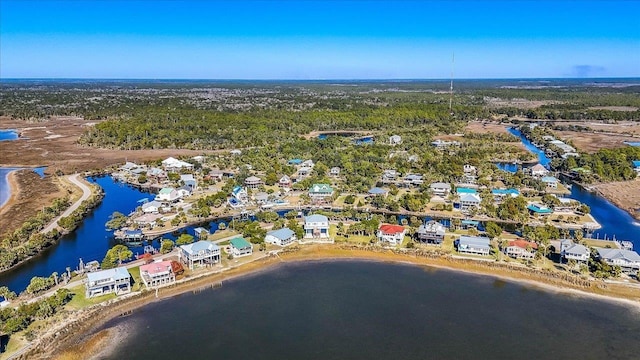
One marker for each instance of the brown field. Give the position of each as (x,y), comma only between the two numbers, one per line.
(519,103)
(625,194)
(53,143)
(614,108)
(592,142)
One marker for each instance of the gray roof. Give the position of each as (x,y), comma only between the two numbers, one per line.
(114,274)
(440,185)
(474,241)
(282,234)
(577,249)
(199,246)
(470,198)
(614,254)
(151,203)
(316,218)
(432,227)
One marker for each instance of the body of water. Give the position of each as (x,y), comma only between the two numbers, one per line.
(367,310)
(5,189)
(8,135)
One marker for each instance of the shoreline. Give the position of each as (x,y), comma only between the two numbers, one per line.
(83,330)
(14,191)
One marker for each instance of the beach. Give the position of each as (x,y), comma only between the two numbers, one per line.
(10,190)
(76,333)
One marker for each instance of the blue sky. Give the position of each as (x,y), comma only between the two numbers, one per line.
(318,39)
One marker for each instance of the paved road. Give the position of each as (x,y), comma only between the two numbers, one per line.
(86,192)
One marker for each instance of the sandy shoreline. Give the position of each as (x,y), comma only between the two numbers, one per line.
(14,190)
(85,334)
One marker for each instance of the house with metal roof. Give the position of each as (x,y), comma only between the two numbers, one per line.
(550,181)
(157,274)
(281,237)
(173,164)
(189,181)
(521,249)
(540,209)
(469,201)
(571,251)
(440,189)
(628,260)
(117,280)
(240,247)
(473,245)
(252,182)
(316,227)
(200,253)
(391,234)
(539,170)
(320,193)
(431,232)
(636,166)
(376,191)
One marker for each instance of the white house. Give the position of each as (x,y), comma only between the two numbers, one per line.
(285,182)
(539,171)
(550,181)
(157,274)
(168,194)
(628,260)
(521,249)
(469,201)
(469,169)
(151,207)
(440,189)
(316,227)
(184,191)
(117,280)
(392,234)
(571,251)
(473,245)
(173,164)
(431,232)
(395,140)
(281,237)
(240,247)
(320,192)
(189,181)
(149,219)
(252,182)
(389,175)
(335,171)
(200,253)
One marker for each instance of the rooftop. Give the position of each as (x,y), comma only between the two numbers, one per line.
(282,234)
(199,246)
(316,218)
(109,274)
(240,243)
(391,229)
(156,267)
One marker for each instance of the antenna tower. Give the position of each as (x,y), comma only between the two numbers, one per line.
(451,87)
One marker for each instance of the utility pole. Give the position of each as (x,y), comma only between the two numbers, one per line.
(451,86)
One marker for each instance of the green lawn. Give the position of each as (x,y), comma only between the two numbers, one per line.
(600,243)
(137,280)
(79,300)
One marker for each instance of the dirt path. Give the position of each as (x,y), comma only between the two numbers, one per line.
(86,192)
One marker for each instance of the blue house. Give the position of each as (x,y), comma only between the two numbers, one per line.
(295,161)
(636,166)
(539,209)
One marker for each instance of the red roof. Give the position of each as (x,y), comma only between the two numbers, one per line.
(156,267)
(523,244)
(391,229)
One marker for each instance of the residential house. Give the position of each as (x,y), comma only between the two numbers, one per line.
(566,205)
(413,179)
(117,280)
(252,182)
(173,164)
(628,260)
(536,208)
(285,182)
(168,194)
(521,249)
(307,164)
(571,251)
(469,169)
(389,175)
(215,174)
(473,245)
(335,171)
(200,253)
(261,198)
(469,201)
(440,189)
(147,220)
(443,144)
(184,191)
(316,227)
(395,140)
(501,194)
(198,158)
(538,170)
(636,166)
(240,194)
(550,181)
(281,237)
(431,232)
(392,234)
(295,162)
(189,181)
(129,166)
(240,247)
(236,152)
(320,193)
(156,173)
(201,233)
(151,207)
(157,274)
(376,191)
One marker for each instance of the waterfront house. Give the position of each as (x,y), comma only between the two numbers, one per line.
(521,249)
(117,280)
(151,207)
(550,181)
(392,234)
(201,233)
(184,191)
(538,170)
(130,235)
(566,205)
(536,208)
(252,182)
(189,181)
(636,166)
(240,194)
(147,220)
(395,140)
(473,245)
(261,198)
(440,189)
(335,171)
(469,201)
(320,193)
(156,173)
(316,227)
(281,237)
(129,166)
(168,194)
(431,232)
(200,253)
(628,260)
(376,191)
(240,247)
(173,164)
(285,182)
(501,194)
(157,274)
(571,251)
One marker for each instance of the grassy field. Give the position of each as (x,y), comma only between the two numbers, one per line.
(80,301)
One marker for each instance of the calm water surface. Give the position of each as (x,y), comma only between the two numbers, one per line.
(8,135)
(366,310)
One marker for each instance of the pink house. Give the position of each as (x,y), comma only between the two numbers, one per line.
(157,273)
